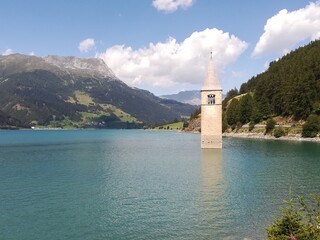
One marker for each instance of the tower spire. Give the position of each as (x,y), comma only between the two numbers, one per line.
(211,81)
(211,109)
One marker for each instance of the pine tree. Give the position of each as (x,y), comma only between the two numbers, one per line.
(232,113)
(246,108)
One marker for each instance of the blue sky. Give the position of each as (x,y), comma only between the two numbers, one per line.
(162,45)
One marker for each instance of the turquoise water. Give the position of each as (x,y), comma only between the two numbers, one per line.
(134,184)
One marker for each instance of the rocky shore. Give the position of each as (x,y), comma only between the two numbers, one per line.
(291,137)
(257,133)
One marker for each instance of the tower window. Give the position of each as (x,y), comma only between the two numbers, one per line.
(211,99)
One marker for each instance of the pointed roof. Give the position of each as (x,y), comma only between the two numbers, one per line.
(211,81)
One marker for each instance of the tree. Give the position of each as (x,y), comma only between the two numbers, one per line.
(300,220)
(232,113)
(287,226)
(195,114)
(251,126)
(185,124)
(225,125)
(310,210)
(316,108)
(270,125)
(311,127)
(291,85)
(230,94)
(278,132)
(256,117)
(263,106)
(243,88)
(246,108)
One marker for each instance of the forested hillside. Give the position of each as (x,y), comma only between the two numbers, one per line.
(290,88)
(291,85)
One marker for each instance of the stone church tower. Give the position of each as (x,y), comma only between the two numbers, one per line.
(211,110)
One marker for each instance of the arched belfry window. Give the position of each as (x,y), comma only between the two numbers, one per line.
(211,99)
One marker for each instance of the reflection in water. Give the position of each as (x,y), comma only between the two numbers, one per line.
(213,187)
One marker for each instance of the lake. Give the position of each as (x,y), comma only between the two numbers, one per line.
(135,184)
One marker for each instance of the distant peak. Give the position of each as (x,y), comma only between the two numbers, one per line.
(95,66)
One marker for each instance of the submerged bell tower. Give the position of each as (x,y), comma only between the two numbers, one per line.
(211,110)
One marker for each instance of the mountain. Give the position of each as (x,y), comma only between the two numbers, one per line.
(190,97)
(60,91)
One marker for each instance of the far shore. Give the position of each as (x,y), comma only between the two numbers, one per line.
(249,135)
(292,137)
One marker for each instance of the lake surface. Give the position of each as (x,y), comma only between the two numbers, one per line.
(134,184)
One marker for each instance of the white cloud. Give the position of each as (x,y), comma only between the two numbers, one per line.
(32,53)
(284,30)
(171,5)
(166,64)
(86,45)
(7,52)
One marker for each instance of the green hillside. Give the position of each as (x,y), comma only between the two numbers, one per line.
(72,92)
(171,126)
(291,85)
(287,93)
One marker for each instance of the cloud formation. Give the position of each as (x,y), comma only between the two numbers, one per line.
(284,30)
(7,52)
(171,5)
(86,45)
(166,64)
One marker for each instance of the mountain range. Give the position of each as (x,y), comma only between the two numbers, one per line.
(61,91)
(190,97)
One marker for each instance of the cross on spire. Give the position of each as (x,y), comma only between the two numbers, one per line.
(211,55)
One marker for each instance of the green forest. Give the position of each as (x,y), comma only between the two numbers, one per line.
(290,88)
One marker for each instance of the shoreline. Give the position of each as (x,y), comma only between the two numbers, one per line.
(248,135)
(292,137)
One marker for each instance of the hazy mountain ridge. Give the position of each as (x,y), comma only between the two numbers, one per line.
(190,97)
(41,90)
